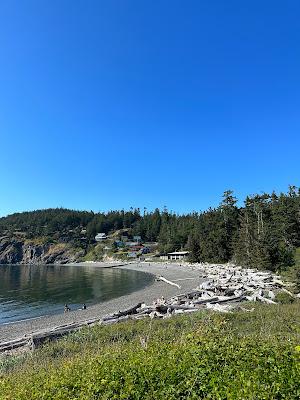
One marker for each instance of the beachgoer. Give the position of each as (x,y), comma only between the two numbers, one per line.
(84,306)
(67,308)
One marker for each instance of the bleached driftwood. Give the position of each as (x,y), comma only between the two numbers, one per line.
(265,300)
(161,278)
(219,308)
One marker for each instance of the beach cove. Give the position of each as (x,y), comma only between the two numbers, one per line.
(186,276)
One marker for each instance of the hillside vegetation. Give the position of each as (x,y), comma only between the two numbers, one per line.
(264,233)
(205,356)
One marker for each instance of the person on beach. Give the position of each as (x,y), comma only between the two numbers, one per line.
(84,306)
(67,308)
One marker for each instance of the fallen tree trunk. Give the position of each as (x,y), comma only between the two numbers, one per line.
(38,338)
(228,300)
(14,344)
(115,320)
(204,301)
(130,311)
(161,278)
(172,307)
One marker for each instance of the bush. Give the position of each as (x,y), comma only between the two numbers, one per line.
(284,298)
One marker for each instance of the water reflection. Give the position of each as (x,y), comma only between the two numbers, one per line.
(32,291)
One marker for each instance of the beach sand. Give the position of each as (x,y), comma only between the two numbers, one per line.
(186,276)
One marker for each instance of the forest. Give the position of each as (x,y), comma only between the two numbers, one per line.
(264,232)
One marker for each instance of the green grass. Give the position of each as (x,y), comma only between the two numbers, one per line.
(205,356)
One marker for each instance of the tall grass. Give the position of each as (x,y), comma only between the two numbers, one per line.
(205,356)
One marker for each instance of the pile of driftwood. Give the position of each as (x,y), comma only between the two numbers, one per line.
(231,283)
(223,289)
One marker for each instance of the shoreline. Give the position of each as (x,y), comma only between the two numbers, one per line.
(186,276)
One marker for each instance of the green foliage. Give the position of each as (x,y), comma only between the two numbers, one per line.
(94,253)
(263,233)
(204,356)
(45,222)
(296,270)
(284,298)
(269,231)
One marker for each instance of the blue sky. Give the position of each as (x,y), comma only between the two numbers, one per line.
(111,104)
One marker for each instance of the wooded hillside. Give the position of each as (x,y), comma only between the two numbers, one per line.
(263,233)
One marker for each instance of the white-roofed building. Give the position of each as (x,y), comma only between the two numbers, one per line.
(178,255)
(100,237)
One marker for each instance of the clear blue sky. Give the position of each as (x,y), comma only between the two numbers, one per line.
(111,104)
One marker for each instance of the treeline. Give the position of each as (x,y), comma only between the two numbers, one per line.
(264,233)
(45,222)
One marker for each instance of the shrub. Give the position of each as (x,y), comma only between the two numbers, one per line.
(284,298)
(204,356)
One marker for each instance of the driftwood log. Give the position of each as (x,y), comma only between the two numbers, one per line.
(14,344)
(130,311)
(161,278)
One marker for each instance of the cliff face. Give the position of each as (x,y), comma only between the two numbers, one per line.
(17,251)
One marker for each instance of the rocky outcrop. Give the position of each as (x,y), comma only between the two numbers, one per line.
(17,251)
(10,251)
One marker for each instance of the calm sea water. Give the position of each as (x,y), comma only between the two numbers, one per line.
(33,291)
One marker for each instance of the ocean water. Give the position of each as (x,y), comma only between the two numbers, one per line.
(33,291)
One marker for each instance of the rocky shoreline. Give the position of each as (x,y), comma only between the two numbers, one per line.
(24,251)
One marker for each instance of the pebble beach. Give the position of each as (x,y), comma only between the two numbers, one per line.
(184,275)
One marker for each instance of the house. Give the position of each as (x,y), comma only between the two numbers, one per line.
(175,255)
(137,239)
(136,248)
(131,244)
(100,237)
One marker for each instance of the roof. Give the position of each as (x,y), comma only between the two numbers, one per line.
(178,253)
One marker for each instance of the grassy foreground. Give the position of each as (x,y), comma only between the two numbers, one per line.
(205,356)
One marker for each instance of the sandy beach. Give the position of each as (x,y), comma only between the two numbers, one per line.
(185,276)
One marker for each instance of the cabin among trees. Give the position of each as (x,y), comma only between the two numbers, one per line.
(175,255)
